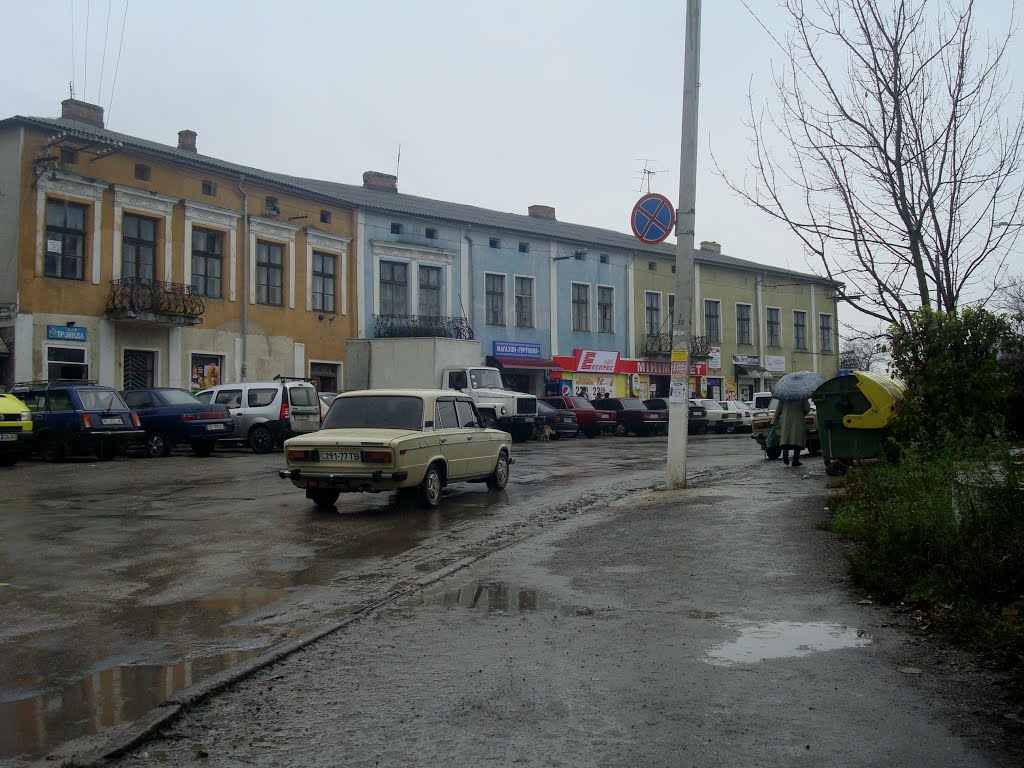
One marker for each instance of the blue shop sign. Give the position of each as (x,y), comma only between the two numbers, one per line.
(516,349)
(65,333)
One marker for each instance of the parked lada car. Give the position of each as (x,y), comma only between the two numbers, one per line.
(395,439)
(266,413)
(591,420)
(175,417)
(720,419)
(760,423)
(72,418)
(697,415)
(743,410)
(633,416)
(15,429)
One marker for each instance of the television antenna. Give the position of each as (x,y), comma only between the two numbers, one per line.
(646,173)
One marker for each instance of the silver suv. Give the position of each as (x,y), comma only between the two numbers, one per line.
(266,413)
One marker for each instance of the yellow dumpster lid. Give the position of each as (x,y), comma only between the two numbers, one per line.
(882,393)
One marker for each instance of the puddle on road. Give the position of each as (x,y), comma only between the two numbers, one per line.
(107,698)
(498,597)
(784,640)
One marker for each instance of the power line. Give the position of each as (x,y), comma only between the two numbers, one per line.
(117,65)
(103,61)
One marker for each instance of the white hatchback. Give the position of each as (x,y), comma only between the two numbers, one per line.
(745,412)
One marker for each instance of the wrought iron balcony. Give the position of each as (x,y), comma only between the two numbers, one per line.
(656,345)
(412,326)
(154,301)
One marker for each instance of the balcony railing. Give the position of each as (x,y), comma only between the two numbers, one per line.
(133,298)
(656,345)
(411,326)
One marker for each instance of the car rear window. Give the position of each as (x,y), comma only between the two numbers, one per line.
(712,405)
(302,395)
(583,405)
(101,400)
(629,404)
(375,412)
(178,397)
(261,397)
(137,399)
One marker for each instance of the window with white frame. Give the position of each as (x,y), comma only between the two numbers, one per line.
(394,288)
(65,240)
(429,299)
(605,309)
(269,272)
(524,302)
(494,288)
(324,281)
(744,334)
(652,313)
(825,328)
(580,307)
(800,329)
(774,327)
(138,247)
(207,262)
(66,363)
(713,320)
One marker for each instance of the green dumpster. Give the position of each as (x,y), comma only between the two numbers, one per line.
(854,412)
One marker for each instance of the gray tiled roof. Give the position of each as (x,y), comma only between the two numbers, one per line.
(349,195)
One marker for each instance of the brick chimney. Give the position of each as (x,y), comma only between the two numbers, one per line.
(542,212)
(187,140)
(82,111)
(383,182)
(710,245)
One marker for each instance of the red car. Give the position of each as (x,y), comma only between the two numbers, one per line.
(633,416)
(591,421)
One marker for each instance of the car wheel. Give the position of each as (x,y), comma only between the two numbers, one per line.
(106,451)
(51,449)
(429,491)
(323,497)
(773,453)
(203,447)
(499,477)
(260,440)
(620,430)
(157,445)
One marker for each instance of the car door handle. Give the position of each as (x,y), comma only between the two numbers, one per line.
(470,437)
(444,440)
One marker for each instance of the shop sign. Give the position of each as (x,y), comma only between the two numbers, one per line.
(593,387)
(715,362)
(649,367)
(775,363)
(746,360)
(517,349)
(597,361)
(65,333)
(698,369)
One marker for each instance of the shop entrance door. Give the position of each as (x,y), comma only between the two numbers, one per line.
(139,369)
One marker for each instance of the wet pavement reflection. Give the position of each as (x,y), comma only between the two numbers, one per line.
(784,640)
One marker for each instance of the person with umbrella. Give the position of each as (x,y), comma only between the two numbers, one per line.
(793,392)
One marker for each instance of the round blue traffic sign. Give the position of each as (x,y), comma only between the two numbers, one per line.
(653,218)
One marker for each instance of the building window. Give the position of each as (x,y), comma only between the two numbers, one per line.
(207,262)
(396,228)
(66,363)
(712,321)
(494,242)
(431,233)
(524,302)
(825,327)
(323,281)
(743,327)
(671,311)
(142,172)
(269,272)
(652,266)
(209,188)
(65,240)
(774,328)
(495,291)
(206,371)
(394,288)
(581,307)
(800,330)
(325,217)
(325,376)
(652,314)
(673,269)
(68,156)
(524,247)
(430,292)
(139,369)
(138,249)
(603,258)
(605,309)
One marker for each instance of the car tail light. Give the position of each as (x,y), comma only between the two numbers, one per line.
(135,419)
(189,416)
(87,421)
(300,454)
(284,410)
(376,457)
(647,414)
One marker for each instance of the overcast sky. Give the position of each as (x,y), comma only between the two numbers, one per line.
(496,104)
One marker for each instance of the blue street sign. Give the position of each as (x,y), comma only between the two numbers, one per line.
(653,218)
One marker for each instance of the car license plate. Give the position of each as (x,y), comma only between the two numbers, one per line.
(111,421)
(340,456)
(528,419)
(8,436)
(305,416)
(215,427)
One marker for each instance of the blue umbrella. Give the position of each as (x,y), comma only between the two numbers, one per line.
(798,385)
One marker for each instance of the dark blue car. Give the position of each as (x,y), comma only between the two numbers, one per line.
(175,417)
(76,417)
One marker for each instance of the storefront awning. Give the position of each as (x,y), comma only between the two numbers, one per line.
(757,371)
(528,363)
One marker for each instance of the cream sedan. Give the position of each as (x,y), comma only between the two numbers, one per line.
(396,439)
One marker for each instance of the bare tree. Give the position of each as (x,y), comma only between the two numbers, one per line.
(902,150)
(860,351)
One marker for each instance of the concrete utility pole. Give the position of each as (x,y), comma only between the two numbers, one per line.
(685,220)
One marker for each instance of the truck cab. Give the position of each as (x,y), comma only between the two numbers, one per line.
(512,412)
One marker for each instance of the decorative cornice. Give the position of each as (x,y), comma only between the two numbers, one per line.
(327,240)
(270,228)
(69,184)
(128,197)
(198,213)
(385,249)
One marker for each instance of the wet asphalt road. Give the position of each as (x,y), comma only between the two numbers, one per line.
(126,582)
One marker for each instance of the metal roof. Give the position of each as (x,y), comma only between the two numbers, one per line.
(360,197)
